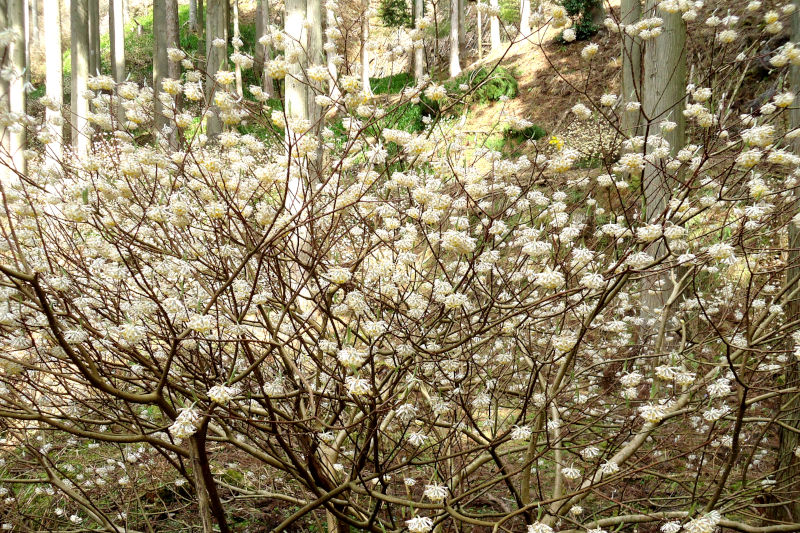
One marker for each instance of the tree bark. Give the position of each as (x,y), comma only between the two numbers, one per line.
(54,83)
(296,94)
(480,34)
(215,29)
(788,464)
(455,60)
(29,40)
(209,502)
(17,13)
(419,52)
(160,61)
(364,50)
(664,93)
(116,31)
(630,11)
(462,28)
(193,26)
(94,37)
(174,67)
(663,96)
(525,17)
(236,38)
(33,7)
(79,55)
(116,34)
(315,54)
(494,30)
(330,21)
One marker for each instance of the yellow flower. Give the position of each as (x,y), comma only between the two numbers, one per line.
(556,142)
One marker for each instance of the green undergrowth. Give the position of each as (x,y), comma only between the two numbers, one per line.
(391,84)
(486,84)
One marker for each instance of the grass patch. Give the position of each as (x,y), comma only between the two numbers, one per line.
(391,84)
(487,85)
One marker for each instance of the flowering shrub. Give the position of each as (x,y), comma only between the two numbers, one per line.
(397,330)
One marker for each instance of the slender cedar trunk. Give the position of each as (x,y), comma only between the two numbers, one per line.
(79,55)
(330,21)
(94,37)
(33,18)
(525,17)
(236,38)
(215,29)
(364,49)
(494,29)
(160,62)
(201,20)
(788,467)
(419,52)
(16,14)
(267,83)
(116,34)
(455,60)
(228,18)
(54,82)
(663,96)
(26,23)
(174,67)
(480,34)
(295,92)
(630,12)
(462,28)
(193,25)
(315,57)
(258,56)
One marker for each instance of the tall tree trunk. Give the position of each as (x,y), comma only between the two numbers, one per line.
(788,463)
(160,61)
(364,50)
(228,18)
(455,61)
(17,13)
(330,22)
(116,34)
(525,17)
(201,21)
(94,37)
(33,7)
(631,12)
(494,30)
(315,54)
(29,40)
(215,29)
(193,25)
(263,51)
(174,67)
(462,28)
(664,93)
(79,56)
(419,52)
(54,83)
(480,34)
(236,39)
(296,94)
